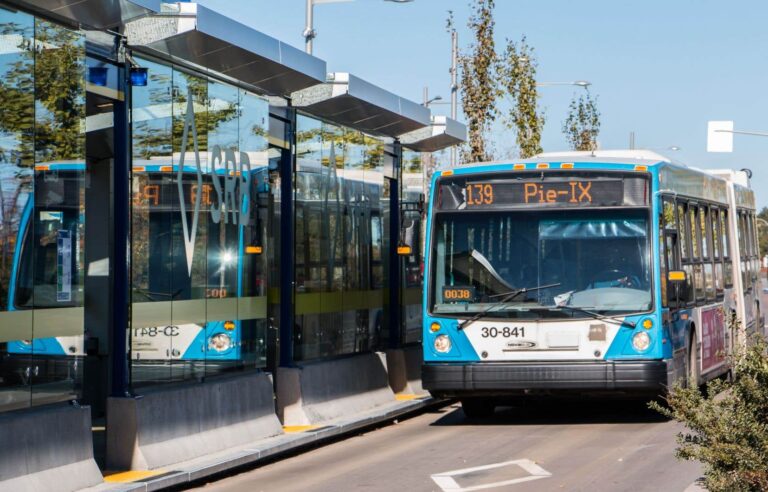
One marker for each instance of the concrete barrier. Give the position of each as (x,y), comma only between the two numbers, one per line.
(49,448)
(171,425)
(404,370)
(319,391)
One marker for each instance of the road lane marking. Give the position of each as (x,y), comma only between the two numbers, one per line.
(447,483)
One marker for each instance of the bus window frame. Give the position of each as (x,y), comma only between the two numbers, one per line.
(435,212)
(667,300)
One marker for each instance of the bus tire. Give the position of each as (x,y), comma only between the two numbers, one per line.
(476,408)
(693,362)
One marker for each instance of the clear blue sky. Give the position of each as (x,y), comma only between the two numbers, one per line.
(660,68)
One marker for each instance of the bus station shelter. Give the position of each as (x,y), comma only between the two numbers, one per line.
(198,237)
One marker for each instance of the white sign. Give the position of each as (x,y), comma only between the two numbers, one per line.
(720,136)
(64,266)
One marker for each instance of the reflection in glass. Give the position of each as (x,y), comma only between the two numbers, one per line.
(42,162)
(200,201)
(341,232)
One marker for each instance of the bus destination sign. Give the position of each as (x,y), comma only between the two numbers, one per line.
(562,193)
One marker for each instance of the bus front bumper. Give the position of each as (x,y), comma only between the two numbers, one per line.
(524,378)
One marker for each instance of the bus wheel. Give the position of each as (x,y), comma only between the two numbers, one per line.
(693,363)
(476,408)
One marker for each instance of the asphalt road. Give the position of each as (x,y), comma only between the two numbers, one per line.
(556,446)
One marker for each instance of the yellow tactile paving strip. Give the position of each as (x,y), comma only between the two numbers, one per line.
(408,396)
(293,429)
(132,476)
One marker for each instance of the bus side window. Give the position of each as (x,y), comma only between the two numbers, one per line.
(727,261)
(696,257)
(682,231)
(743,256)
(706,252)
(684,238)
(668,254)
(717,237)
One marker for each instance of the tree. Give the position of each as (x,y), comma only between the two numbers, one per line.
(517,76)
(477,80)
(727,427)
(582,125)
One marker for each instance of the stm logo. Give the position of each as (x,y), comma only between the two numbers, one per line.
(519,345)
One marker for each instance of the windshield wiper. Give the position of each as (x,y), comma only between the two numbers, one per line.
(595,315)
(508,296)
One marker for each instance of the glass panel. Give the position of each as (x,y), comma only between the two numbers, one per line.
(716,235)
(155,208)
(693,227)
(17,180)
(709,281)
(340,240)
(719,279)
(602,267)
(725,233)
(58,218)
(704,232)
(687,294)
(698,280)
(684,250)
(668,217)
(200,212)
(253,281)
(411,189)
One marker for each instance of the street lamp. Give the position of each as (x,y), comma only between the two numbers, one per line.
(309,30)
(578,83)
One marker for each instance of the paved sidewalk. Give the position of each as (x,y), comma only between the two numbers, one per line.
(294,439)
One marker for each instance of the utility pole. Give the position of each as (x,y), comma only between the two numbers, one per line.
(631,140)
(454,84)
(309,31)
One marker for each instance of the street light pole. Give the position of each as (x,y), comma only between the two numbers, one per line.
(454,84)
(309,29)
(579,83)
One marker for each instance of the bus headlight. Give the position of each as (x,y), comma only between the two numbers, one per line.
(443,343)
(220,342)
(641,341)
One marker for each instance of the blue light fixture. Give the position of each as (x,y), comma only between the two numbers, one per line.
(97,76)
(139,76)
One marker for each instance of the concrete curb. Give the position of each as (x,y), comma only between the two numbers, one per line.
(190,471)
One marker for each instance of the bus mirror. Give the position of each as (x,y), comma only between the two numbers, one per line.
(408,238)
(676,276)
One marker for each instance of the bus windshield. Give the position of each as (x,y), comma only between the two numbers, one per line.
(599,261)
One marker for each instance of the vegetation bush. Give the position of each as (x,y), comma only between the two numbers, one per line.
(727,425)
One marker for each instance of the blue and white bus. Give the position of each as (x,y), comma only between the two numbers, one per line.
(584,273)
(49,264)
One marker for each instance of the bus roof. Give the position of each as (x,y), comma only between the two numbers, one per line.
(674,176)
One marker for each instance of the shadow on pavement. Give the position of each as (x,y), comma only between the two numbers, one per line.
(558,412)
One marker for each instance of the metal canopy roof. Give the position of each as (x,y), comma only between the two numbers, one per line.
(97,14)
(197,35)
(355,103)
(443,132)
